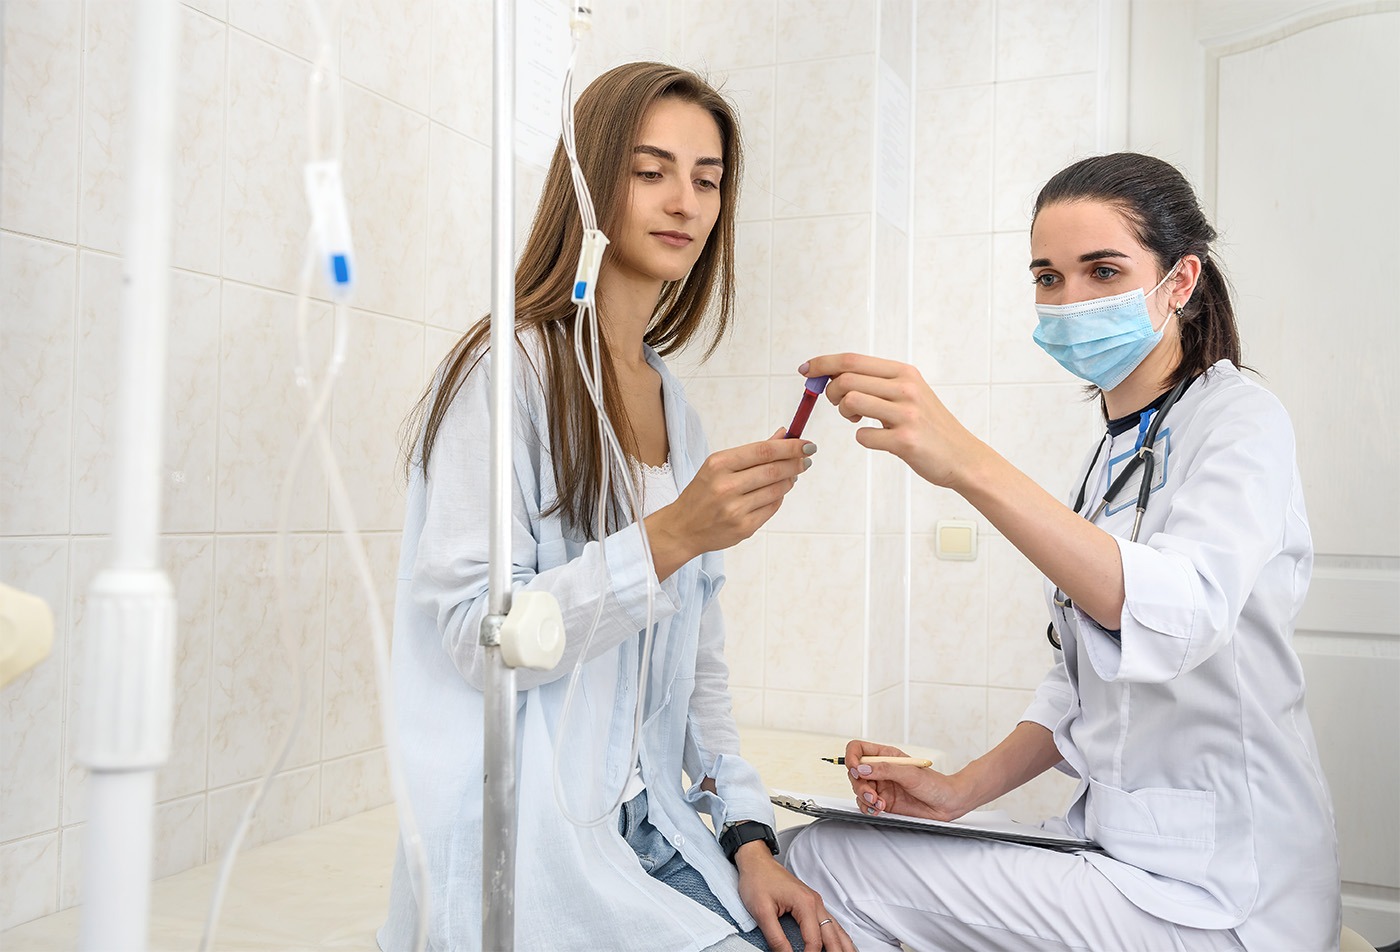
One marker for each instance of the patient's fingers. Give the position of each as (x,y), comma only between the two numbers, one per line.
(767,918)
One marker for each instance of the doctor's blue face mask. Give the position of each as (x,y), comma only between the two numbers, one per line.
(1101,340)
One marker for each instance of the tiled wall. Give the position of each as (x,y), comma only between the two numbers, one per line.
(1004,93)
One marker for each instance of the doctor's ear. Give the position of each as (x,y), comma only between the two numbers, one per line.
(1183,284)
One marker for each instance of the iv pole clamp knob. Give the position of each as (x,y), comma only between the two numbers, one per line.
(532,634)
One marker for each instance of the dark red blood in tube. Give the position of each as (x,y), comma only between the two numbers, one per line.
(804,410)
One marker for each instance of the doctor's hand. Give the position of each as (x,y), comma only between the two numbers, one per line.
(734,492)
(915,425)
(901,789)
(769,891)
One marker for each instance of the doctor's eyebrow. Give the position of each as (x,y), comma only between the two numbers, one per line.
(1099,255)
(671,156)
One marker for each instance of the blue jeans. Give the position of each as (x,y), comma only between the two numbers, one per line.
(661,861)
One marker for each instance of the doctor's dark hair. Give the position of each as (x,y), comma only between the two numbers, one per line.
(1161,208)
(608,121)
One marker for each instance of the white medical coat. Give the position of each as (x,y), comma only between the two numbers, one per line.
(1198,769)
(576,888)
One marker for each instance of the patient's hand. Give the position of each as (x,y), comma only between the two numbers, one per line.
(769,891)
(908,791)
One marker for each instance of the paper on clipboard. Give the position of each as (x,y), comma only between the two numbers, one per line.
(981,825)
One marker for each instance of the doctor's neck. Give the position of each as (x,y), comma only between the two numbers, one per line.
(1149,380)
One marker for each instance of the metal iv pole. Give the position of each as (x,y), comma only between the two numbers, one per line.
(499,805)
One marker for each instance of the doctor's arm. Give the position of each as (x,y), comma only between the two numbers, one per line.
(1080,558)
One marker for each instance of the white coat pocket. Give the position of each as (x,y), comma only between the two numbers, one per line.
(1160,829)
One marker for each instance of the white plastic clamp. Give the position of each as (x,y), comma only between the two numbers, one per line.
(532,635)
(330,225)
(590,259)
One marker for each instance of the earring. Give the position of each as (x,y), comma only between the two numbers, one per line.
(1178,309)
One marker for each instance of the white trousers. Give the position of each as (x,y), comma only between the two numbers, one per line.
(928,892)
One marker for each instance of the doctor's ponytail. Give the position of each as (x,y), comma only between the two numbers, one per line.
(1166,218)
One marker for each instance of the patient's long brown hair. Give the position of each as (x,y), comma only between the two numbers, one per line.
(608,121)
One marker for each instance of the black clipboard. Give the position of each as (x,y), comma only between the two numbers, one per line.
(1001,830)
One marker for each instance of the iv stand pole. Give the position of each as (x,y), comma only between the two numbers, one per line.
(127,724)
(499,806)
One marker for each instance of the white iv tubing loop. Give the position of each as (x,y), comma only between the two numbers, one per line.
(325,80)
(590,366)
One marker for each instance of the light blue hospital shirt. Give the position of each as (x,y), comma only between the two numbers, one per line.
(576,888)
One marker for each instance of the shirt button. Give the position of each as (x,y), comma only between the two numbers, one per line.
(680,840)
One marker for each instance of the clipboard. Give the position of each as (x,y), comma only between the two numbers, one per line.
(978,825)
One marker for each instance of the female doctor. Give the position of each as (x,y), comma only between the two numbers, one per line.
(660,150)
(1177,700)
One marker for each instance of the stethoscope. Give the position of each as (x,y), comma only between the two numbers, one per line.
(1144,459)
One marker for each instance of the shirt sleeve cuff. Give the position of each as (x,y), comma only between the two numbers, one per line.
(1153,641)
(739,794)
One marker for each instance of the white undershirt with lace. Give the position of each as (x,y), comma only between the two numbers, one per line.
(658,489)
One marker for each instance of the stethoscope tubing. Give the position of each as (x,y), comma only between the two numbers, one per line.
(1145,458)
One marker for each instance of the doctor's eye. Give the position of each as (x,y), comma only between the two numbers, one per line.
(1046,279)
(1104,273)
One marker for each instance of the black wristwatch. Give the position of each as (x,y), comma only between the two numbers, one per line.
(746,831)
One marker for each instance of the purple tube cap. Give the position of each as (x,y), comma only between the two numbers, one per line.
(817,384)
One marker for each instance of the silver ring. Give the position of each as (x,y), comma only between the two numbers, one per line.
(824,922)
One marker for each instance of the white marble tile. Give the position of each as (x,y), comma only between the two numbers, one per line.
(823,157)
(952,309)
(254,687)
(889,594)
(953,161)
(1041,126)
(743,601)
(437,344)
(292,805)
(820,310)
(461,66)
(31,716)
(743,350)
(39,137)
(386,189)
(265,216)
(812,712)
(287,26)
(177,845)
(1047,795)
(382,378)
(1015,357)
(815,605)
(38,284)
(624,31)
(809,30)
(950,717)
(262,411)
(191,397)
(28,879)
(351,710)
(748,706)
(385,46)
(956,43)
(1045,430)
(753,93)
(1019,654)
(948,617)
(196,186)
(1046,37)
(887,715)
(353,785)
(930,503)
(733,410)
(189,565)
(890,488)
(832,496)
(459,230)
(218,9)
(727,34)
(897,29)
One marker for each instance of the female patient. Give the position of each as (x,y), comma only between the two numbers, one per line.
(660,149)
